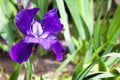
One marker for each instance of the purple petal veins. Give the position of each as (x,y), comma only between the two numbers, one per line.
(24,19)
(51,22)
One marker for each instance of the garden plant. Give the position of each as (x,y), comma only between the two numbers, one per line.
(83,33)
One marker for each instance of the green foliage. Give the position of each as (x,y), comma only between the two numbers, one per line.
(64,19)
(43,5)
(92,39)
(77,19)
(7,23)
(15,74)
(78,69)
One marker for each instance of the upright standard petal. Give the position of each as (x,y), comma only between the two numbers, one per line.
(24,19)
(51,22)
(36,28)
(59,50)
(21,51)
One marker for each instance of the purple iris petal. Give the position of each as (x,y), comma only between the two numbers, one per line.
(36,32)
(47,42)
(59,50)
(24,19)
(51,22)
(28,39)
(44,42)
(36,28)
(21,51)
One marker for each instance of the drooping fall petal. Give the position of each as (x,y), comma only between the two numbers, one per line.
(59,50)
(21,51)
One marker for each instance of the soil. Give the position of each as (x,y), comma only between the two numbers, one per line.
(45,65)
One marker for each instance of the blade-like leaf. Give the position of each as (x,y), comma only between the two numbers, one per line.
(25,77)
(86,11)
(115,71)
(98,27)
(115,24)
(113,54)
(75,15)
(102,66)
(105,75)
(43,5)
(98,51)
(15,74)
(64,20)
(82,75)
(78,69)
(113,40)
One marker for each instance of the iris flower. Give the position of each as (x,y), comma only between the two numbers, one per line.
(43,33)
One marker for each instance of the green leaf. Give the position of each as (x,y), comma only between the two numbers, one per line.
(64,19)
(76,42)
(25,77)
(43,5)
(78,69)
(102,66)
(115,71)
(113,54)
(105,23)
(4,47)
(115,57)
(29,66)
(92,74)
(115,24)
(8,8)
(110,63)
(41,78)
(113,40)
(105,75)
(98,27)
(89,52)
(1,33)
(75,15)
(86,11)
(60,68)
(82,75)
(15,74)
(98,51)
(7,27)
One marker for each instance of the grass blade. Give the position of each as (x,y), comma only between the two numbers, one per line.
(75,15)
(64,18)
(15,74)
(86,11)
(97,30)
(115,24)
(43,5)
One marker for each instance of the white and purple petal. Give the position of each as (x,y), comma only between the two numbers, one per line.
(51,22)
(24,19)
(36,28)
(21,51)
(46,43)
(59,50)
